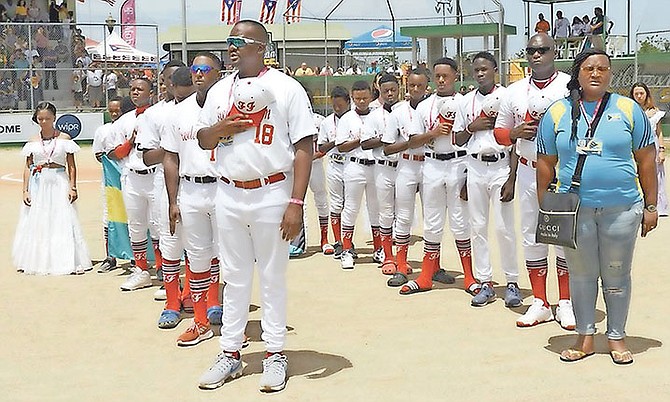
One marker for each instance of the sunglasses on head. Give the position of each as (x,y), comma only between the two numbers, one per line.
(531,50)
(241,41)
(203,68)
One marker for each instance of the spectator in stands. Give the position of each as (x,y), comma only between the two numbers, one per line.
(35,91)
(303,70)
(373,69)
(8,98)
(78,85)
(353,70)
(111,80)
(577,27)
(597,29)
(123,83)
(34,14)
(94,85)
(561,26)
(586,20)
(339,72)
(542,26)
(3,14)
(326,70)
(21,11)
(50,60)
(40,40)
(53,12)
(10,38)
(62,11)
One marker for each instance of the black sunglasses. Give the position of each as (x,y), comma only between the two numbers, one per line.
(531,50)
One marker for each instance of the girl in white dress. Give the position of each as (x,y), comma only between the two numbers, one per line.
(640,92)
(49,240)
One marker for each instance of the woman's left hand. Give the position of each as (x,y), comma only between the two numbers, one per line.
(72,196)
(649,221)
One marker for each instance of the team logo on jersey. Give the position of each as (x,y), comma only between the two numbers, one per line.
(613,117)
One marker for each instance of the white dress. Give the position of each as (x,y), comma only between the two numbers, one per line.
(49,240)
(662,201)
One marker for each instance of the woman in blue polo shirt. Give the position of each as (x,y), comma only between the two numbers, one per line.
(617,193)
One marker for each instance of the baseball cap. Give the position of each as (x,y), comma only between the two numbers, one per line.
(251,98)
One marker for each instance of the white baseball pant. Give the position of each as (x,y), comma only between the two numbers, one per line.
(317,184)
(335,176)
(359,179)
(485,180)
(409,177)
(385,180)
(142,205)
(248,225)
(198,221)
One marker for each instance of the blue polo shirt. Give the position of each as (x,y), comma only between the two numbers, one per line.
(610,178)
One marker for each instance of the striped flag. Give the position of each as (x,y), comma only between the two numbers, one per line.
(110,2)
(293,9)
(268,10)
(230,11)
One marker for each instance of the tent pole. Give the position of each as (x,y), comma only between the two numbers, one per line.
(184,51)
(388,3)
(325,53)
(628,26)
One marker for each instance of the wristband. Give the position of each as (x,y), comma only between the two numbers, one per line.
(467,129)
(296,201)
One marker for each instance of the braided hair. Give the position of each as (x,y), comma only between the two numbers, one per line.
(575,88)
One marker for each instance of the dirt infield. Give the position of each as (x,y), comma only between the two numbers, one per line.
(79,338)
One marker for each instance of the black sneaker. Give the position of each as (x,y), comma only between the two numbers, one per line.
(338,250)
(108,264)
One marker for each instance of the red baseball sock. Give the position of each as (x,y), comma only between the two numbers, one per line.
(465,252)
(213,291)
(335,224)
(157,254)
(347,236)
(537,272)
(563,279)
(199,285)
(323,225)
(171,283)
(387,243)
(186,292)
(376,237)
(429,265)
(140,254)
(401,259)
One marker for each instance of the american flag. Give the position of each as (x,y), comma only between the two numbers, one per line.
(230,11)
(293,8)
(268,10)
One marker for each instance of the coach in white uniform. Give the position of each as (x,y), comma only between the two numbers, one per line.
(512,128)
(264,159)
(490,185)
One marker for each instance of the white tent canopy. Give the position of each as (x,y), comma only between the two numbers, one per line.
(116,50)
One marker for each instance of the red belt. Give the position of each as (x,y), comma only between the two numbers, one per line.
(416,158)
(527,162)
(256,183)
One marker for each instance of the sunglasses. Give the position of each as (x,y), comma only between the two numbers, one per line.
(203,68)
(241,41)
(531,50)
(591,69)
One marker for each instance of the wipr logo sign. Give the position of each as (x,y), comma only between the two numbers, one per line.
(69,124)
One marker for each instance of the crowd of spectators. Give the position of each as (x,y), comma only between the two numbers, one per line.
(590,28)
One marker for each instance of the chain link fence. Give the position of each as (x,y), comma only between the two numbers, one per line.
(76,66)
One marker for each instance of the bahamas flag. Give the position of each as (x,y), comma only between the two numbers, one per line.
(117,221)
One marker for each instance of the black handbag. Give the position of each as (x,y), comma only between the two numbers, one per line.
(557,215)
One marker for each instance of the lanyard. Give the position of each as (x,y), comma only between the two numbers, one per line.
(589,119)
(546,84)
(475,97)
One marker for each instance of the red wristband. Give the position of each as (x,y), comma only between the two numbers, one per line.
(296,201)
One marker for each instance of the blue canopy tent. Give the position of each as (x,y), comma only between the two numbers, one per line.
(380,38)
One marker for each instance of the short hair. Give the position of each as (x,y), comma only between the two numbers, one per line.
(387,78)
(182,77)
(44,106)
(360,86)
(173,63)
(447,61)
(486,56)
(257,25)
(115,99)
(419,71)
(340,92)
(212,57)
(145,79)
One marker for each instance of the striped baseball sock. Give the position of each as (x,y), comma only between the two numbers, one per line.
(171,283)
(347,237)
(563,279)
(336,225)
(386,237)
(465,252)
(376,237)
(213,291)
(402,247)
(186,292)
(323,225)
(199,285)
(157,254)
(429,265)
(140,253)
(537,272)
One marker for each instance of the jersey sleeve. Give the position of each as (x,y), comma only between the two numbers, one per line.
(642,132)
(374,128)
(300,119)
(322,136)
(170,139)
(505,118)
(98,145)
(209,114)
(148,131)
(546,136)
(342,134)
(461,116)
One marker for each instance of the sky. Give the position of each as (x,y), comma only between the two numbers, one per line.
(167,13)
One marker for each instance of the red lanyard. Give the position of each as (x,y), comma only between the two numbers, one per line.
(546,84)
(589,119)
(475,97)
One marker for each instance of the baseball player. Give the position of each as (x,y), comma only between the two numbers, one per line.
(341,103)
(384,170)
(358,171)
(101,147)
(405,121)
(444,173)
(190,177)
(137,182)
(513,127)
(490,183)
(260,122)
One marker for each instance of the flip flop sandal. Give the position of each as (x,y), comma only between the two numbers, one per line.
(389,268)
(411,288)
(574,355)
(169,319)
(621,358)
(443,277)
(214,315)
(473,289)
(398,279)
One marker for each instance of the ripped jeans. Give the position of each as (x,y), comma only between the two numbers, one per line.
(605,242)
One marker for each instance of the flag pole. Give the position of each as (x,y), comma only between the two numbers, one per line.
(184,52)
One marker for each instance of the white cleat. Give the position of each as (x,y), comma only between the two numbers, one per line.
(347,260)
(537,314)
(137,280)
(565,315)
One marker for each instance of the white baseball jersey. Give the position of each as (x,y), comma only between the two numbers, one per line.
(429,110)
(267,149)
(327,133)
(353,126)
(122,130)
(380,120)
(405,121)
(470,107)
(318,119)
(151,125)
(515,104)
(102,139)
(181,138)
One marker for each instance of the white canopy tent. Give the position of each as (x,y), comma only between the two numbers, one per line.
(114,49)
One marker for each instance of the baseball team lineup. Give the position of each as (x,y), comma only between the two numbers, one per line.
(216,173)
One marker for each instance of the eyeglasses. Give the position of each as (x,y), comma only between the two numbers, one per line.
(241,41)
(591,69)
(531,50)
(203,68)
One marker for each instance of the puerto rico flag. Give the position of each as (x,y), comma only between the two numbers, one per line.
(268,10)
(230,11)
(293,8)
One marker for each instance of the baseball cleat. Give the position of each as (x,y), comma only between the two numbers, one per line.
(347,260)
(139,279)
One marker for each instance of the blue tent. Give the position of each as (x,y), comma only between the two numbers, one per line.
(378,39)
